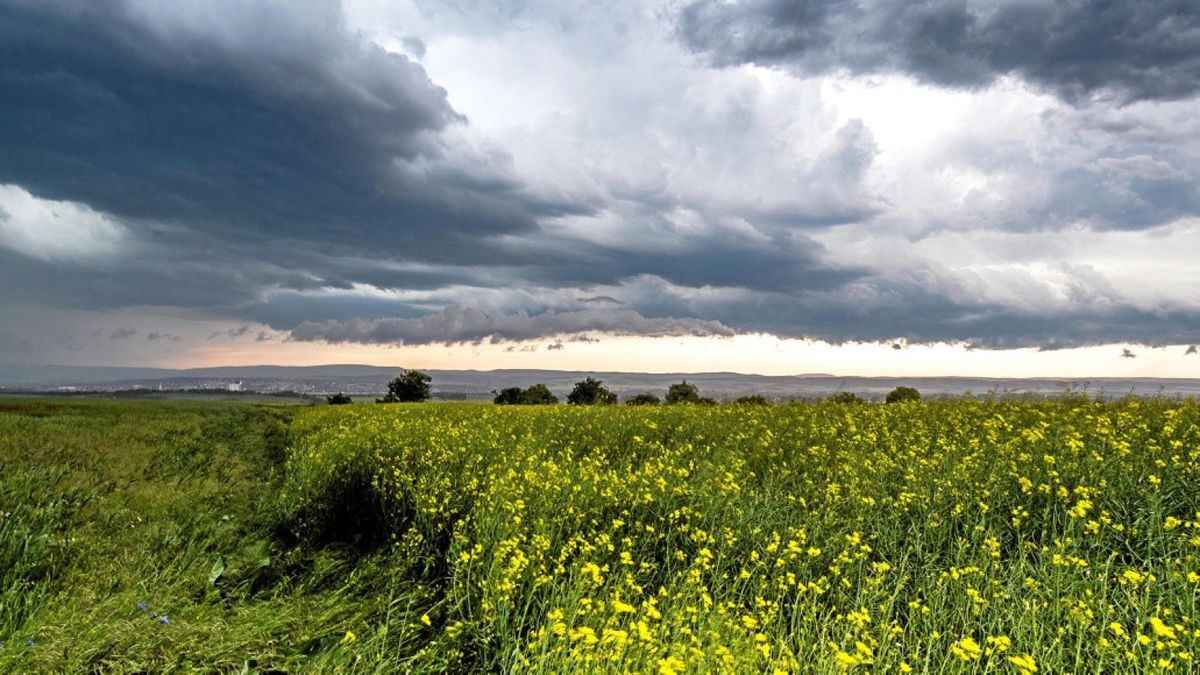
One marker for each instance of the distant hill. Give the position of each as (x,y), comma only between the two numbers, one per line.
(369,380)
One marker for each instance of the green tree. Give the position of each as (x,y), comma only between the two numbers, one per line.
(591,392)
(508,396)
(683,392)
(643,399)
(903,395)
(847,397)
(753,399)
(411,387)
(339,399)
(538,394)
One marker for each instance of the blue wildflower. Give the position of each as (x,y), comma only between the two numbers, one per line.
(142,605)
(164,620)
(29,642)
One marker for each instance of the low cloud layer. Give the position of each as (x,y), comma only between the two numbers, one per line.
(464,325)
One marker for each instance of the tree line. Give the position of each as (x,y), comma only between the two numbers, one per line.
(415,386)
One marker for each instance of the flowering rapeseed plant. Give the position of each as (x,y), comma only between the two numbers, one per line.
(989,535)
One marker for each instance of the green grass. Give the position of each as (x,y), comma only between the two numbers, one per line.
(108,505)
(465,537)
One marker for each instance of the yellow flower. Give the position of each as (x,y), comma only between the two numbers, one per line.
(845,661)
(670,666)
(1161,629)
(1132,577)
(584,634)
(967,649)
(348,638)
(1024,663)
(425,620)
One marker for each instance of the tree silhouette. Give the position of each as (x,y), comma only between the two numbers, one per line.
(508,396)
(538,394)
(643,399)
(903,395)
(411,387)
(591,392)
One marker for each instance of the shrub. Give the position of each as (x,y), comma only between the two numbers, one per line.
(643,399)
(683,392)
(903,395)
(339,399)
(753,399)
(538,394)
(508,396)
(591,392)
(846,397)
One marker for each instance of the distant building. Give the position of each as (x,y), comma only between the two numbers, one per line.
(235,386)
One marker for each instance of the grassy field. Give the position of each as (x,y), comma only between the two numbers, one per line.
(960,536)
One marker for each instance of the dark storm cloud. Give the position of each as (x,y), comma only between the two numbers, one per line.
(464,325)
(263,122)
(1075,48)
(915,311)
(122,334)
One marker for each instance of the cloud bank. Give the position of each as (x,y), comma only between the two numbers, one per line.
(1015,174)
(466,325)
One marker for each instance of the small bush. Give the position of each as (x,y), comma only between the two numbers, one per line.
(903,395)
(591,392)
(643,399)
(508,396)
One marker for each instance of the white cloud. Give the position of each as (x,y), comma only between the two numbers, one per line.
(55,230)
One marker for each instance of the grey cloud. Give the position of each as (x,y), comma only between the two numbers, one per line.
(921,309)
(122,334)
(557,346)
(255,121)
(414,46)
(600,300)
(465,325)
(1075,48)
(156,336)
(264,336)
(522,348)
(231,333)
(1191,350)
(1128,354)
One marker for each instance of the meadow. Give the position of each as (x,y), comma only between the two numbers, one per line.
(954,536)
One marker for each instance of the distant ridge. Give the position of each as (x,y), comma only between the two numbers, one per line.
(363,379)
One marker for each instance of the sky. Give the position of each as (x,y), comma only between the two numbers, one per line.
(872,187)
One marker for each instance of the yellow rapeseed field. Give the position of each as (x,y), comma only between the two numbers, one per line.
(960,536)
